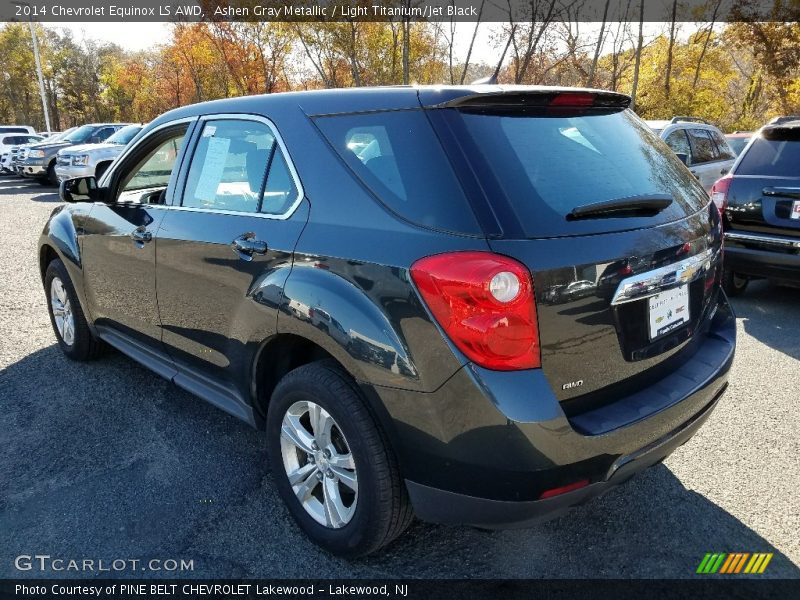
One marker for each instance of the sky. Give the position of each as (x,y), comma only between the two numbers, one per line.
(141,36)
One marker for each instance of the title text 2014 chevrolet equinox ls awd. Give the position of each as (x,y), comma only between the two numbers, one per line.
(370,274)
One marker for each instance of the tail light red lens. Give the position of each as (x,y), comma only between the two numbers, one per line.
(485,304)
(719,192)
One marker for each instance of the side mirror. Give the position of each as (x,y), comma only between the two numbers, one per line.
(80,189)
(683,157)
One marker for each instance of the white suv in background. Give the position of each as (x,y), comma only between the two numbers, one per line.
(707,153)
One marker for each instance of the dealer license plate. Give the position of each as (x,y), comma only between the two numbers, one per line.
(668,311)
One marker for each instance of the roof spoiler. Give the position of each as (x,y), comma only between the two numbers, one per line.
(545,98)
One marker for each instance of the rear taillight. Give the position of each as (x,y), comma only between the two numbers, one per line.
(485,304)
(719,192)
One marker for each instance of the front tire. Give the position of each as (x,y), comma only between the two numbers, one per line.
(66,315)
(331,463)
(733,283)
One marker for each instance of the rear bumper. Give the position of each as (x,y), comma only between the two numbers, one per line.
(440,506)
(772,257)
(483,448)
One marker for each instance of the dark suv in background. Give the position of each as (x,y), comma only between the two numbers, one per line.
(760,203)
(369,275)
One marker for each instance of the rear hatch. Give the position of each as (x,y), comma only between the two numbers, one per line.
(622,241)
(763,196)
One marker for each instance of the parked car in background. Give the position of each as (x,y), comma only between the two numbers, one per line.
(9,141)
(40,162)
(16,129)
(47,134)
(93,159)
(700,145)
(760,203)
(20,153)
(422,375)
(738,140)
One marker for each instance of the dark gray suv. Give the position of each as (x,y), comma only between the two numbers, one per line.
(369,275)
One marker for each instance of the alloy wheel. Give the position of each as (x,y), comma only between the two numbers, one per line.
(319,464)
(62,311)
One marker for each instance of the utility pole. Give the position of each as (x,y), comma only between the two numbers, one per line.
(38,64)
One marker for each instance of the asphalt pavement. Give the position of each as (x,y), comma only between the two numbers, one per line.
(107,461)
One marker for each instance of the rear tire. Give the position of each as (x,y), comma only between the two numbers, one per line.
(733,283)
(66,315)
(366,518)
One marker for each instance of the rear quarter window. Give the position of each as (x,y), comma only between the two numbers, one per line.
(398,157)
(774,153)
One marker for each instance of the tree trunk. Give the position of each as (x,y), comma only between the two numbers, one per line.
(598,47)
(472,42)
(638,55)
(668,74)
(406,46)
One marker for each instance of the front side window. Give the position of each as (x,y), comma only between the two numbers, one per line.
(153,170)
(229,169)
(704,148)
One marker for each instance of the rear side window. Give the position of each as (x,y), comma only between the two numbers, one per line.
(704,148)
(399,158)
(725,151)
(774,153)
(546,165)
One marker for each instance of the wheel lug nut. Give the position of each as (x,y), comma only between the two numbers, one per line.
(311,459)
(327,453)
(329,474)
(314,445)
(319,474)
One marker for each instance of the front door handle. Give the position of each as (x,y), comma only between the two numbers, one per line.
(246,245)
(140,234)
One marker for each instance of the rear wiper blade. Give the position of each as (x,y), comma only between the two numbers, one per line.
(634,206)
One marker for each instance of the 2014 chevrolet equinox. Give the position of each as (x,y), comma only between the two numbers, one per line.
(381,279)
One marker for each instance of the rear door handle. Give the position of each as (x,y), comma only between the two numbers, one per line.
(140,234)
(246,245)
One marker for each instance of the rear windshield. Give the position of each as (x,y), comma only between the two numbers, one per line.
(399,158)
(776,152)
(546,165)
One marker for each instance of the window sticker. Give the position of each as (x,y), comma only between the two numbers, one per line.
(213,168)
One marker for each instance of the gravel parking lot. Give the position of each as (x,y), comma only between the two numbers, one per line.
(108,461)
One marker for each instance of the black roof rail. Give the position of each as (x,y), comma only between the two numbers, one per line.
(689,119)
(784,119)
